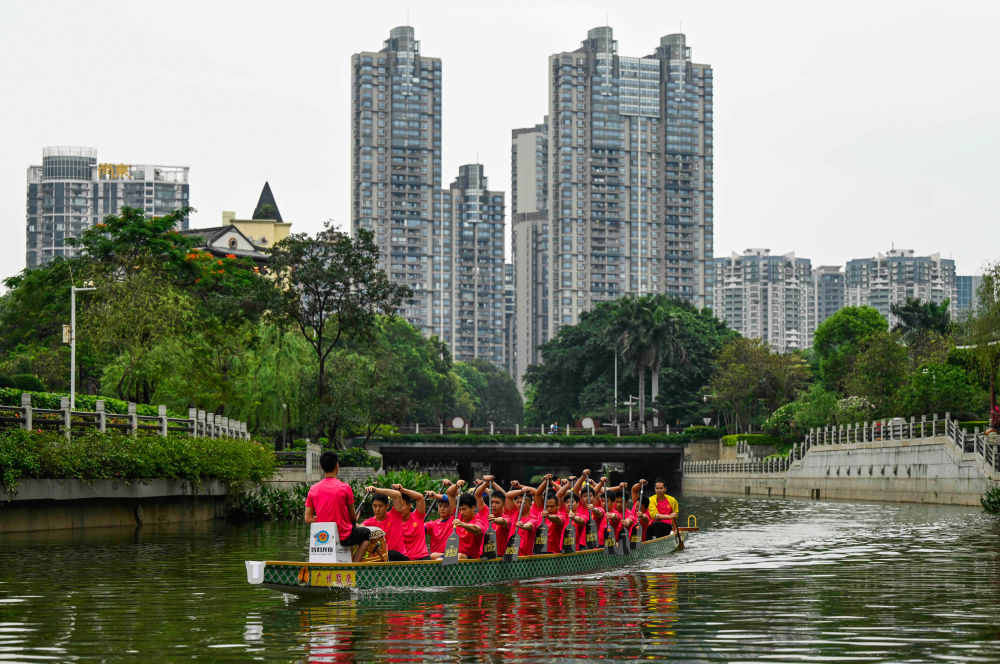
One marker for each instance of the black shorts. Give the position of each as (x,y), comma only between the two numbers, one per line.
(358,535)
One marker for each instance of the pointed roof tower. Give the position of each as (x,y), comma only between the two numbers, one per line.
(266,207)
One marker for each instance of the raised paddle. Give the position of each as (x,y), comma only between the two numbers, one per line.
(430,510)
(542,536)
(637,528)
(591,539)
(609,536)
(490,536)
(514,543)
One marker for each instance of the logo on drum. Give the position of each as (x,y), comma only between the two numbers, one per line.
(322,537)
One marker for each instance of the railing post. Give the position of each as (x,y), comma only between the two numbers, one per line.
(618,431)
(923,422)
(102,416)
(934,426)
(668,429)
(491,430)
(162,412)
(26,419)
(517,429)
(193,421)
(466,428)
(441,428)
(210,424)
(133,419)
(202,423)
(64,407)
(417,428)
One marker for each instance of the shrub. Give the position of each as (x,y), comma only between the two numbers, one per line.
(358,456)
(269,503)
(28,382)
(12,397)
(690,434)
(752,439)
(991,500)
(115,455)
(409,478)
(6,381)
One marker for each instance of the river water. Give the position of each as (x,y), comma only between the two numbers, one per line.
(766,579)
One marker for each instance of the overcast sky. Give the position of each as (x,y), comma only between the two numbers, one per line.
(842,128)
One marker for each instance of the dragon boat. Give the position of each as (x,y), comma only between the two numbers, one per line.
(311,578)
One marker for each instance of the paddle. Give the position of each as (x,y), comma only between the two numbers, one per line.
(514,543)
(490,537)
(637,528)
(569,535)
(542,536)
(609,538)
(591,539)
(430,510)
(451,547)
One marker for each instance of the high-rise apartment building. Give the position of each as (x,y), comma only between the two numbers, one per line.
(70,192)
(889,278)
(828,293)
(471,318)
(966,295)
(530,250)
(766,297)
(630,205)
(509,328)
(396,168)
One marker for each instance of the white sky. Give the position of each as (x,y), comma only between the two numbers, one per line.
(841,127)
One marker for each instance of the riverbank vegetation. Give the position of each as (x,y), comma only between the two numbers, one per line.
(118,456)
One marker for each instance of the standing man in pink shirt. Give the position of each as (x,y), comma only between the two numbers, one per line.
(331,500)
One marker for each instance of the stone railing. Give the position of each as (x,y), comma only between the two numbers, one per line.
(197,423)
(897,429)
(766,465)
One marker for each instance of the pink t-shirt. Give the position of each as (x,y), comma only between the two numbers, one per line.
(528,536)
(393,527)
(412,530)
(330,498)
(581,528)
(468,542)
(439,530)
(556,529)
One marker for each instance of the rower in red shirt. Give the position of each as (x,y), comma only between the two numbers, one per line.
(388,520)
(441,528)
(470,528)
(554,511)
(502,513)
(529,523)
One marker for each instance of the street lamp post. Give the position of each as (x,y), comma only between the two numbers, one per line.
(87,286)
(632,401)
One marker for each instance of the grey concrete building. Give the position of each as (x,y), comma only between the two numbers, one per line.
(470,319)
(629,207)
(766,297)
(828,293)
(509,328)
(396,167)
(70,192)
(889,278)
(530,250)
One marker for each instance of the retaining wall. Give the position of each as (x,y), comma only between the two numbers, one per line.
(924,470)
(59,504)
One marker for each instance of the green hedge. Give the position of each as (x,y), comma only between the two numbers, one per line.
(752,439)
(358,456)
(12,397)
(690,434)
(114,455)
(970,427)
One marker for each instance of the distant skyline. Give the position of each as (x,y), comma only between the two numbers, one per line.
(841,128)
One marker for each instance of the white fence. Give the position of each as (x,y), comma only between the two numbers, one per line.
(197,423)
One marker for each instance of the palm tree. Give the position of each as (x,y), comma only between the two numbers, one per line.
(633,332)
(915,317)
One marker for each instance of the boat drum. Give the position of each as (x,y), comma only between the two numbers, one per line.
(301,578)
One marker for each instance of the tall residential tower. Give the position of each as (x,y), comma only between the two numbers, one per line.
(396,167)
(629,181)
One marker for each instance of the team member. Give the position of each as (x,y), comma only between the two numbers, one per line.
(332,500)
(441,528)
(529,522)
(388,520)
(407,522)
(554,512)
(663,511)
(502,513)
(470,528)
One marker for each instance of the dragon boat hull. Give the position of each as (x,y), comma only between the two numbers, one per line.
(303,578)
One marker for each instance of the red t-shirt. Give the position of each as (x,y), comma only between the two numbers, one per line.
(504,533)
(533,516)
(556,529)
(470,543)
(439,530)
(581,528)
(393,527)
(329,498)
(413,536)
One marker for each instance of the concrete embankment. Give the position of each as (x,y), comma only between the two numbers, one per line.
(923,470)
(58,504)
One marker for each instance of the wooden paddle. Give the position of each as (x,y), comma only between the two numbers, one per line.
(542,536)
(609,535)
(451,546)
(591,539)
(490,536)
(637,528)
(514,543)
(569,535)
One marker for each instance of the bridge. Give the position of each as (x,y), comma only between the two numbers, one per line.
(521,460)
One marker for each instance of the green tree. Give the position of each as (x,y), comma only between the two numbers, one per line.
(984,331)
(751,381)
(915,317)
(880,367)
(838,340)
(332,290)
(496,396)
(939,388)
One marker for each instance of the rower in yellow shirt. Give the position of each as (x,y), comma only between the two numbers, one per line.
(663,511)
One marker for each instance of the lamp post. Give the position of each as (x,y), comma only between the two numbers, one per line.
(87,286)
(632,400)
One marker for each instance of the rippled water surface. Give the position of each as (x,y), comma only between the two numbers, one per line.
(766,580)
